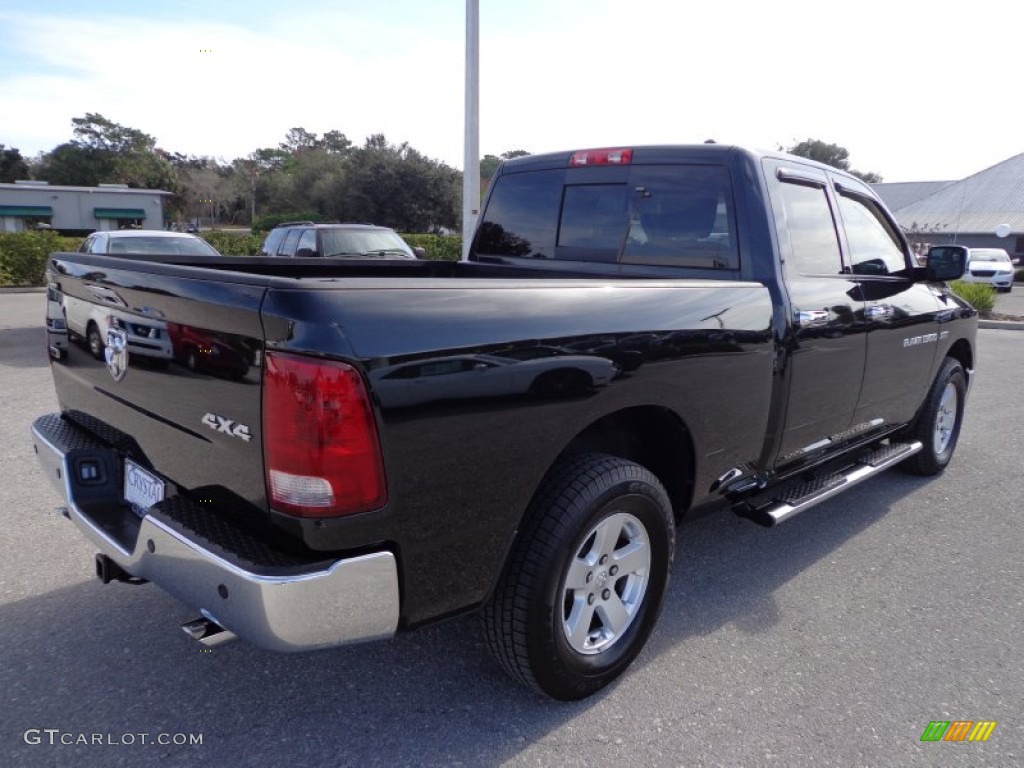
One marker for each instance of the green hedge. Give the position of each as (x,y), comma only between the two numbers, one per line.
(23,255)
(233,242)
(438,247)
(981,296)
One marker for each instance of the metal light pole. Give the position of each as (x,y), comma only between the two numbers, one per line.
(471,159)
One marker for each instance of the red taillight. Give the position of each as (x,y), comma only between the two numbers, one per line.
(602,157)
(319,438)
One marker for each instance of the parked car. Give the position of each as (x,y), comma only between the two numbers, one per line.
(989,265)
(207,351)
(305,239)
(147,242)
(93,319)
(464,377)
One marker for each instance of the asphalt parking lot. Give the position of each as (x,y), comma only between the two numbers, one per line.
(832,640)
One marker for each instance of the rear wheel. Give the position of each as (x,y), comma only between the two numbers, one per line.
(937,425)
(95,342)
(586,578)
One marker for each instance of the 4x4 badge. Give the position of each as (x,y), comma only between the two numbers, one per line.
(227,426)
(116,353)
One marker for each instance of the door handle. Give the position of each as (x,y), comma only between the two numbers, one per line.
(812,318)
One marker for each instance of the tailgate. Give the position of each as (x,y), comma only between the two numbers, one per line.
(165,363)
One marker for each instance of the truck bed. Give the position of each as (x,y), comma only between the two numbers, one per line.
(559,352)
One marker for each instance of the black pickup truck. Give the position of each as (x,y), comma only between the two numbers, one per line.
(348,450)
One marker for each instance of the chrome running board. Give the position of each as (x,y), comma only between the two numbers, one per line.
(778,505)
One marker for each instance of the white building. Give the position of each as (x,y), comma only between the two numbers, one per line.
(27,204)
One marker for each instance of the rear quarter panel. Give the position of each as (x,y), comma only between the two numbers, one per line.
(462,468)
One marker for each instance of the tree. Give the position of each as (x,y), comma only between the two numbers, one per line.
(298,140)
(489,163)
(396,186)
(74,165)
(94,131)
(12,165)
(868,177)
(105,152)
(336,143)
(489,166)
(830,154)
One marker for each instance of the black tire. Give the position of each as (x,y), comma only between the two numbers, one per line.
(529,620)
(937,424)
(94,341)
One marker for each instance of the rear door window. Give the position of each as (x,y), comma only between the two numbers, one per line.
(808,230)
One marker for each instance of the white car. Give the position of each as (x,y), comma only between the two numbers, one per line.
(147,242)
(989,265)
(145,335)
(471,376)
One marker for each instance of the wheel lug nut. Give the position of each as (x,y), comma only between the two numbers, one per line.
(590,599)
(606,594)
(604,559)
(613,570)
(590,576)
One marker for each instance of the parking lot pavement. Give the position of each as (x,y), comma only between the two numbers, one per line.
(831,640)
(1011,303)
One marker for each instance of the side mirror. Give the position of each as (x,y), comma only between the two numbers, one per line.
(946,262)
(420,252)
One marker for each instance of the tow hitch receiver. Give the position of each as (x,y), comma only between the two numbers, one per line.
(107,571)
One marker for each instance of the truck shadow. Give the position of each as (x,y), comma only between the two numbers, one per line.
(110,659)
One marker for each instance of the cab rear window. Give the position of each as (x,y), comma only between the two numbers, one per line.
(672,215)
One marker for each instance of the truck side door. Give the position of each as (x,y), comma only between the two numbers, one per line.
(827,346)
(901,316)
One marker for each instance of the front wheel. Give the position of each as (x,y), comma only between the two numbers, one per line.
(937,425)
(586,578)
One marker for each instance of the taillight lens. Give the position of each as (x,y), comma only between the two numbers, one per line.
(601,157)
(320,440)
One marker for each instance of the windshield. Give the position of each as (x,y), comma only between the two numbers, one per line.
(349,242)
(181,246)
(983,254)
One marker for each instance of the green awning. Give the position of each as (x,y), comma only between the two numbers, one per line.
(119,213)
(26,210)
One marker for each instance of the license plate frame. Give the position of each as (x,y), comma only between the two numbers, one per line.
(142,489)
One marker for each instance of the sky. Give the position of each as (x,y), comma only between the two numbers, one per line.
(916,91)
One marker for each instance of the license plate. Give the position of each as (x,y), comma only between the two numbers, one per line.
(142,489)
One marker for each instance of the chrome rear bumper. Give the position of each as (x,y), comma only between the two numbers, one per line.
(291,608)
